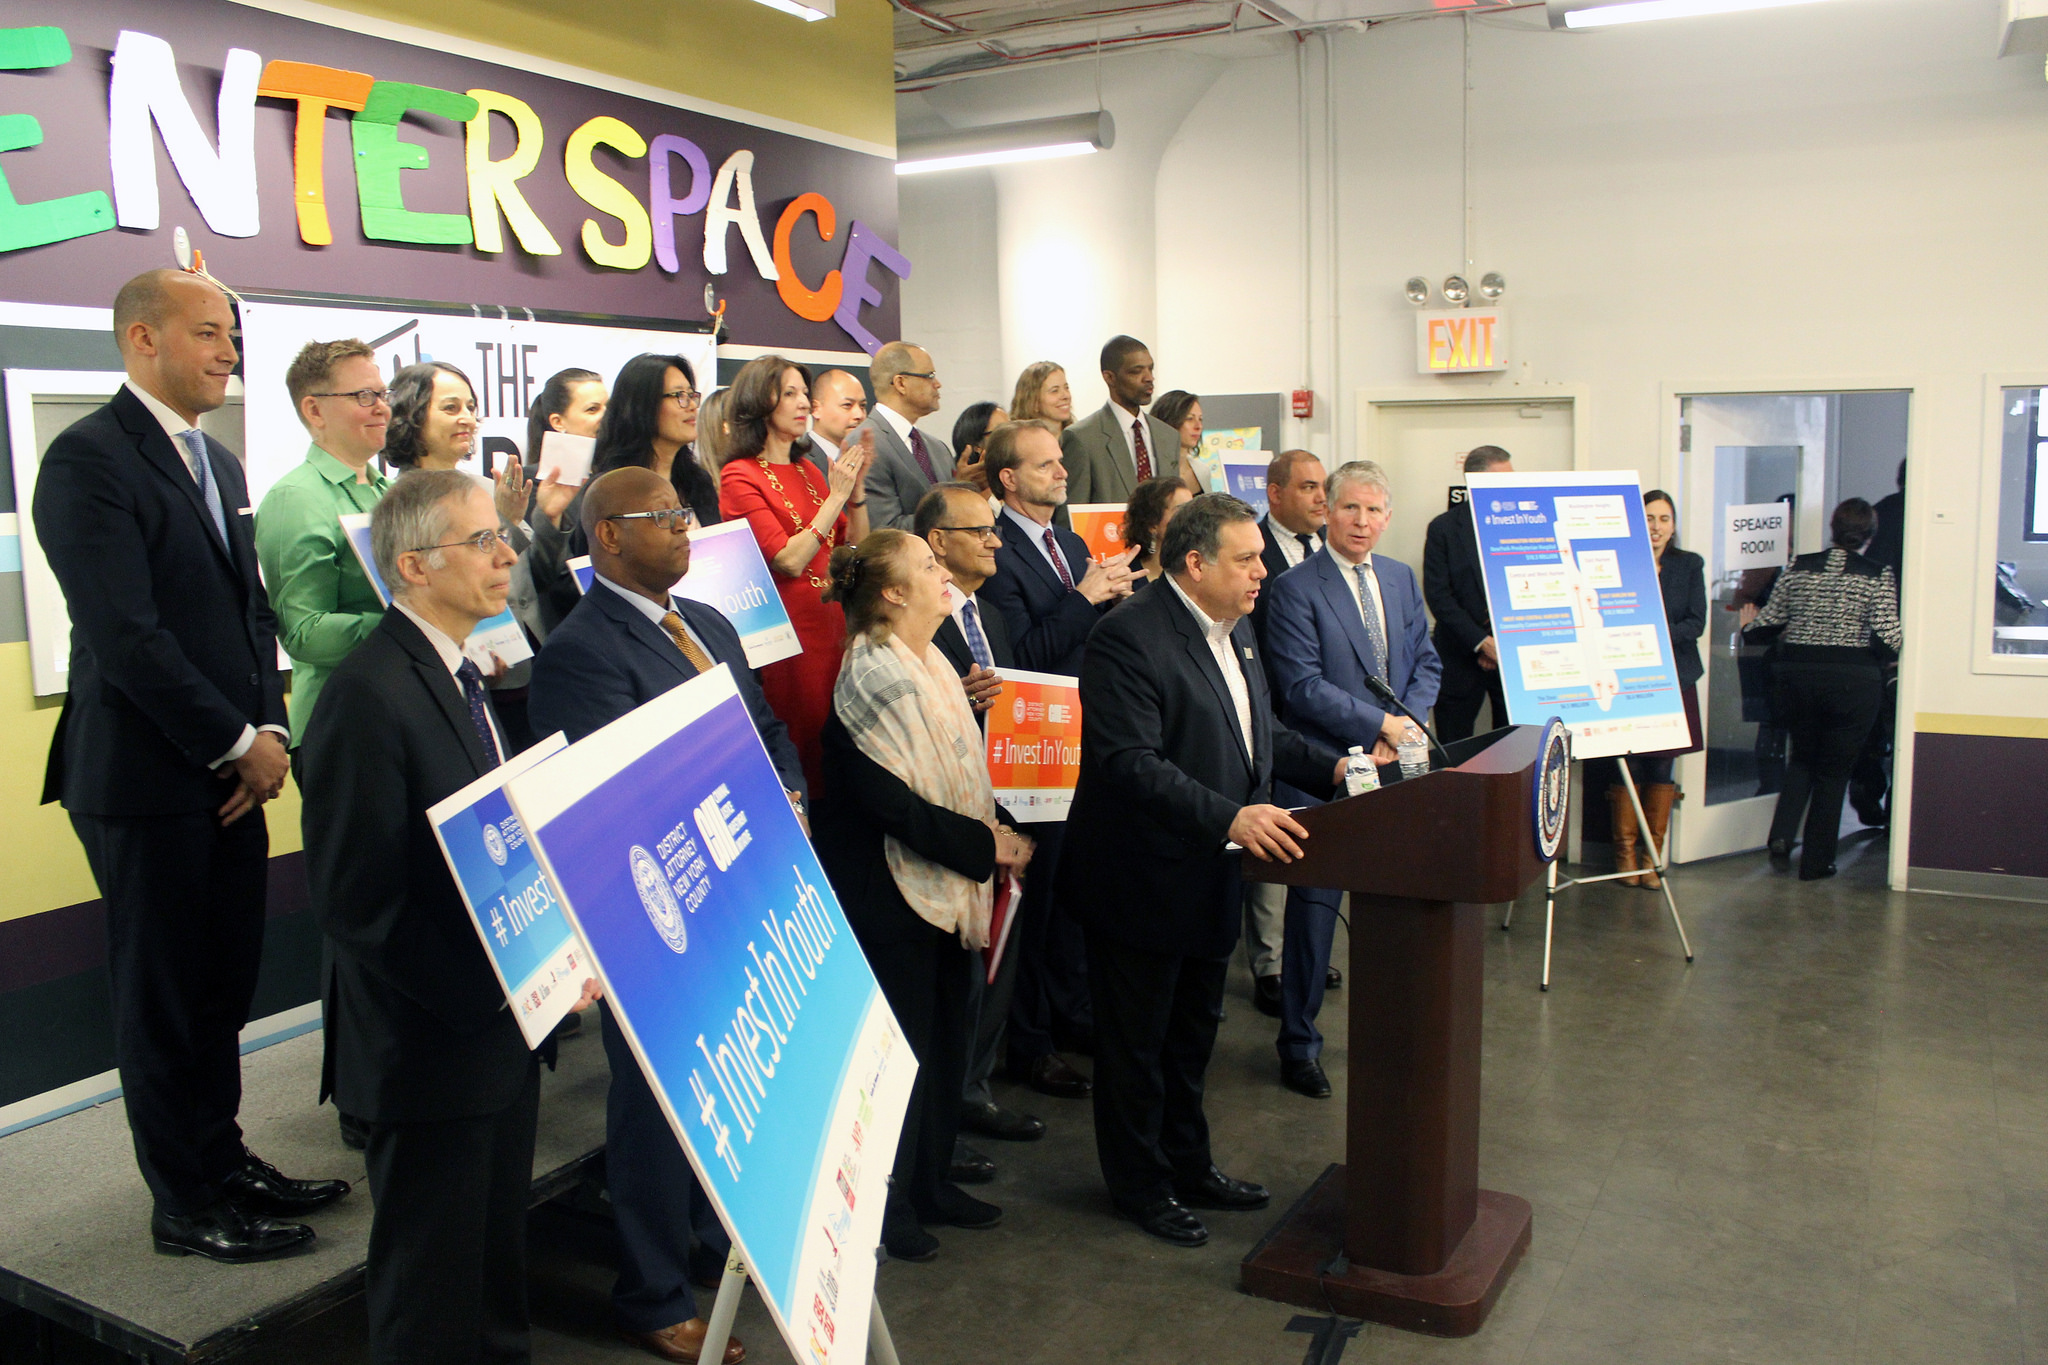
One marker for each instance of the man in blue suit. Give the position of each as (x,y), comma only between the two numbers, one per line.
(1343,614)
(627,642)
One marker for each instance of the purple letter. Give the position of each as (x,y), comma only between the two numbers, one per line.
(865,245)
(664,209)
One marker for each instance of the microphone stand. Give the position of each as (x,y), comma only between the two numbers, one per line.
(1386,696)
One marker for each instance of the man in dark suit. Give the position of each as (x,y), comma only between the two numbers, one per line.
(1110,452)
(1179,750)
(420,1045)
(1346,619)
(1454,585)
(629,641)
(170,740)
(955,521)
(1050,596)
(1293,530)
(907,461)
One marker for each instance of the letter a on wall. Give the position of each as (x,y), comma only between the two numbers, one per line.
(220,178)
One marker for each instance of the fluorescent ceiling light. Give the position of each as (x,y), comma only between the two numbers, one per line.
(1639,11)
(810,11)
(1007,143)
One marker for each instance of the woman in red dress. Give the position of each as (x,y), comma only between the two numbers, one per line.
(798,513)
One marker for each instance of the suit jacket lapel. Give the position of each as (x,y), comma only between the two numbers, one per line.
(446,692)
(953,645)
(643,631)
(1031,552)
(1340,588)
(162,453)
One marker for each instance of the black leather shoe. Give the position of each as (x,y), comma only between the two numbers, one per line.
(1816,874)
(1333,980)
(1050,1075)
(1167,1219)
(1005,1125)
(1218,1191)
(1781,853)
(261,1188)
(226,1232)
(959,1209)
(1305,1077)
(969,1166)
(912,1243)
(1266,995)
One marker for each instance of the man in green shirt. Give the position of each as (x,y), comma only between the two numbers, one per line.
(325,604)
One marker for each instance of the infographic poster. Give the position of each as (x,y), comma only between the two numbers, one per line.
(1572,586)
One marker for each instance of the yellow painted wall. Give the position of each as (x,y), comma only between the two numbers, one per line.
(837,75)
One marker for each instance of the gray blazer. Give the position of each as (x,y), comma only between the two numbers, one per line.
(895,483)
(1100,467)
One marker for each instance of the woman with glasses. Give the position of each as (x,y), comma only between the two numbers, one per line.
(798,513)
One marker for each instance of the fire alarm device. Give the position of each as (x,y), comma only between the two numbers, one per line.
(1304,403)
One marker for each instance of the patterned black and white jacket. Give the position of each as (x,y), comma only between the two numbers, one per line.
(1834,603)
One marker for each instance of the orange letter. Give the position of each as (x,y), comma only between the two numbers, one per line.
(813,305)
(317,89)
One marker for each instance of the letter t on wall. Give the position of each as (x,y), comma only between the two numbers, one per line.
(317,89)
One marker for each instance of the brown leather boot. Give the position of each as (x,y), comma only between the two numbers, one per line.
(1623,819)
(1658,799)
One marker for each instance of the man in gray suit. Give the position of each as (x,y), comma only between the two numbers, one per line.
(907,462)
(1111,452)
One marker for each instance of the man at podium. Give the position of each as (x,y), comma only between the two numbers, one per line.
(1179,749)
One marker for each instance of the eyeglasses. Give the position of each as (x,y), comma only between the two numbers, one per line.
(684,398)
(486,541)
(920,374)
(365,398)
(987,535)
(666,518)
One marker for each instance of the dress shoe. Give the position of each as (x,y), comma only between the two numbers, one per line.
(1266,995)
(910,1243)
(959,1209)
(1216,1190)
(1167,1219)
(1051,1075)
(969,1167)
(1816,874)
(1333,979)
(261,1188)
(684,1343)
(1781,853)
(226,1232)
(1305,1076)
(1005,1125)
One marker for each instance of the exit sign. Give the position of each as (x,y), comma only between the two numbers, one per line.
(1460,340)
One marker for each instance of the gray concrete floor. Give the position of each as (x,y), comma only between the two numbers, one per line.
(1826,1140)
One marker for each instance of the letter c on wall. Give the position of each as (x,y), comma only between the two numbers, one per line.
(813,305)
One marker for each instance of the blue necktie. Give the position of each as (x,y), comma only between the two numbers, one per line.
(202,470)
(479,712)
(1375,630)
(977,643)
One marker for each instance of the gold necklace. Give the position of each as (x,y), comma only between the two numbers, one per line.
(797,525)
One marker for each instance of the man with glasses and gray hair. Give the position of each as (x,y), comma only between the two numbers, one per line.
(1345,622)
(907,462)
(419,1043)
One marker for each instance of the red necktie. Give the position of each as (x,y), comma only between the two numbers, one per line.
(1143,456)
(1059,561)
(922,456)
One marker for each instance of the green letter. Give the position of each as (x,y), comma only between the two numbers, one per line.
(380,156)
(53,220)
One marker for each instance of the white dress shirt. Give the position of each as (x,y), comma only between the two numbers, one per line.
(452,658)
(1217,634)
(654,611)
(898,423)
(826,448)
(175,427)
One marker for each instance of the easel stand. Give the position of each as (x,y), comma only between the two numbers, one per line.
(718,1331)
(1658,861)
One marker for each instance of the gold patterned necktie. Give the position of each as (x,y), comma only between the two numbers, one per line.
(692,651)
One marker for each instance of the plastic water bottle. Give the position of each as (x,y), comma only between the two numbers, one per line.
(1413,751)
(1360,776)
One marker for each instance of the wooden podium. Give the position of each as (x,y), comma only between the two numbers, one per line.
(1401,1233)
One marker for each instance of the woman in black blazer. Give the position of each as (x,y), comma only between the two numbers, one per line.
(909,832)
(1682,581)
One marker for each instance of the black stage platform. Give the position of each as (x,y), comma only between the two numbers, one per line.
(74,1242)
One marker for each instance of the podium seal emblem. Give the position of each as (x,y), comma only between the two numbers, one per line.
(1553,788)
(657,900)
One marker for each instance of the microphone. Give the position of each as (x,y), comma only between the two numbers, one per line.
(1394,703)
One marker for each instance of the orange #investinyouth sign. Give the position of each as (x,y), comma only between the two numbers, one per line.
(1101,524)
(1034,744)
